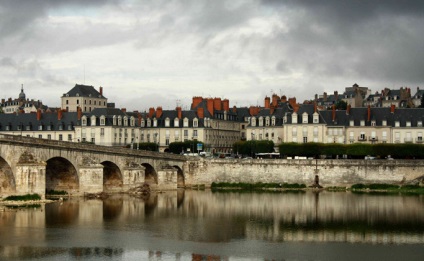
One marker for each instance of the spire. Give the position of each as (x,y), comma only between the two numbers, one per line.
(22,94)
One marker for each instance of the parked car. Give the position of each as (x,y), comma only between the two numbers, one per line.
(368,157)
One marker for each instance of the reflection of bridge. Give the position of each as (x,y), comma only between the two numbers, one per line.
(30,165)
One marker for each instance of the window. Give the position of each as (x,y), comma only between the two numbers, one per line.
(69,137)
(267,121)
(195,123)
(67,102)
(93,120)
(60,137)
(60,127)
(84,121)
(102,131)
(195,133)
(384,123)
(167,141)
(40,136)
(93,140)
(102,120)
(397,136)
(185,122)
(408,124)
(185,133)
(362,136)
(49,136)
(176,122)
(77,101)
(40,127)
(305,118)
(167,123)
(294,131)
(253,121)
(362,123)
(372,123)
(155,122)
(397,123)
(419,123)
(305,139)
(272,121)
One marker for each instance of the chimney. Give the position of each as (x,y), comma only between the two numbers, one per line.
(151,112)
(316,97)
(315,107)
(253,111)
(234,109)
(226,105)
(2,100)
(267,102)
(158,112)
(59,114)
(348,109)
(334,113)
(284,98)
(369,113)
(392,108)
(38,114)
(179,112)
(196,101)
(124,110)
(79,113)
(217,104)
(210,106)
(101,90)
(325,96)
(139,119)
(275,99)
(336,95)
(200,113)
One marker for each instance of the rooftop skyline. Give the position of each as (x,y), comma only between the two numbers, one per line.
(160,53)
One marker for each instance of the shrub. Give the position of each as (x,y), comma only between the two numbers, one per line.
(24,197)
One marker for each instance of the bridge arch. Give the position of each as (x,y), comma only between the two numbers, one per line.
(150,174)
(7,180)
(61,175)
(112,177)
(180,177)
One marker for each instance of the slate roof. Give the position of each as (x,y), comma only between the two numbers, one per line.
(84,91)
(30,119)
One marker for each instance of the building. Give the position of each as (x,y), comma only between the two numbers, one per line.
(21,104)
(84,96)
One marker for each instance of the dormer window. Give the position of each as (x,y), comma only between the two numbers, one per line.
(316,117)
(167,122)
(119,120)
(195,123)
(102,120)
(397,123)
(114,120)
(372,123)
(142,123)
(294,118)
(149,124)
(419,123)
(362,123)
(40,127)
(125,121)
(261,121)
(253,121)
(155,122)
(267,121)
(304,117)
(384,123)
(351,123)
(132,122)
(84,121)
(93,120)
(185,122)
(273,121)
(408,124)
(176,122)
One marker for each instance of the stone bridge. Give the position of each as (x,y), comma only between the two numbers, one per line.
(31,165)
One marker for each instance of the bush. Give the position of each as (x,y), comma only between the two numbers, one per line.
(24,197)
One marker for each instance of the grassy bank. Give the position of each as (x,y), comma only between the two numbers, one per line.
(26,197)
(387,188)
(256,186)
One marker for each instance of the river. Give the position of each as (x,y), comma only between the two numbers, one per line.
(203,225)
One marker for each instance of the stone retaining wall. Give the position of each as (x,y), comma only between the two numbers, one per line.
(329,172)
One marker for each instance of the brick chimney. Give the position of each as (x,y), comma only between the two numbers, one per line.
(234,109)
(196,101)
(200,113)
(325,96)
(392,108)
(336,95)
(315,107)
(284,98)
(124,110)
(59,114)
(334,113)
(101,90)
(253,111)
(38,114)
(210,106)
(139,119)
(226,105)
(348,109)
(79,113)
(369,113)
(267,102)
(158,112)
(151,112)
(179,112)
(217,104)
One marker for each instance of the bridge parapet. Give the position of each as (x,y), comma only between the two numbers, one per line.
(89,147)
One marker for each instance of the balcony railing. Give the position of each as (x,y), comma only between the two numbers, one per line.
(362,138)
(373,138)
(419,140)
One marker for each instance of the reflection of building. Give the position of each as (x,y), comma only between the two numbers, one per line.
(21,104)
(85,97)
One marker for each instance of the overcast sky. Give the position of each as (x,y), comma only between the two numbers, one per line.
(159,53)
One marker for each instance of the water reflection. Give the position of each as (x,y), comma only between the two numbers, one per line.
(201,222)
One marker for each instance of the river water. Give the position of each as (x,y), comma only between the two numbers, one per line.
(202,225)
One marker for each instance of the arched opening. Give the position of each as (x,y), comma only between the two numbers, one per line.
(112,177)
(61,175)
(7,181)
(180,177)
(150,175)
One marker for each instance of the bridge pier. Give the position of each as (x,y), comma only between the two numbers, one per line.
(133,177)
(167,179)
(30,178)
(91,178)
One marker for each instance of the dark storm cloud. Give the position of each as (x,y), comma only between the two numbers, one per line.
(373,40)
